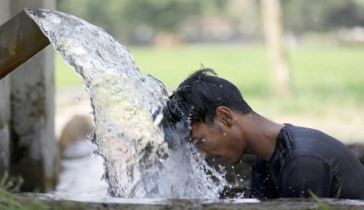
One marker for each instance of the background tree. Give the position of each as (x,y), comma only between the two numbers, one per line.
(302,16)
(273,28)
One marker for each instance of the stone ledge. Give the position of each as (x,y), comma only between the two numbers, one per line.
(101,203)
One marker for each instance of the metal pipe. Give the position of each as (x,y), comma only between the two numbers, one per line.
(20,39)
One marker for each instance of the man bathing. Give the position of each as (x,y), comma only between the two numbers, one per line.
(289,160)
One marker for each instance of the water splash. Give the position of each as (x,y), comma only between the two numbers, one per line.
(128,116)
(235,177)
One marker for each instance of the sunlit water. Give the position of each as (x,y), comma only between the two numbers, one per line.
(129,132)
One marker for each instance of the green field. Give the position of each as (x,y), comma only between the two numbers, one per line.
(327,82)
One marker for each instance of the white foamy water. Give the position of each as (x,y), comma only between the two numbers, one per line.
(128,114)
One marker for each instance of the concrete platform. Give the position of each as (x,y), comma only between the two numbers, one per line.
(78,202)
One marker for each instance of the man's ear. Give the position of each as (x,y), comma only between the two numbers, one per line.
(224,116)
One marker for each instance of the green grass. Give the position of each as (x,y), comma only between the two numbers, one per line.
(327,82)
(331,72)
(241,65)
(10,185)
(65,77)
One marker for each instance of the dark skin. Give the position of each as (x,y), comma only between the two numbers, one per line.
(233,135)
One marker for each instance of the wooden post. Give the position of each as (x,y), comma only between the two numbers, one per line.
(273,28)
(4,102)
(33,148)
(27,139)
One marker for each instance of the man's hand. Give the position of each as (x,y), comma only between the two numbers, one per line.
(232,192)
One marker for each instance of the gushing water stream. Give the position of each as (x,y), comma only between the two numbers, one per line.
(128,114)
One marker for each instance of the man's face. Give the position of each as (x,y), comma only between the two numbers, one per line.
(215,144)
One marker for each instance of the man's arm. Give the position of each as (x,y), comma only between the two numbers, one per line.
(304,173)
(261,183)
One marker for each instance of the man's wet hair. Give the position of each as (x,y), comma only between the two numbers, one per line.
(197,98)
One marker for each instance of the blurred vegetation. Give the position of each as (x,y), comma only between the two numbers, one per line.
(9,185)
(126,19)
(325,42)
(302,16)
(12,199)
(327,81)
(329,72)
(139,21)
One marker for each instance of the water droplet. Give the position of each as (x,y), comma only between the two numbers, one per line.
(94,153)
(220,85)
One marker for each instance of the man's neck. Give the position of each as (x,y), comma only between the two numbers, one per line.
(260,134)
